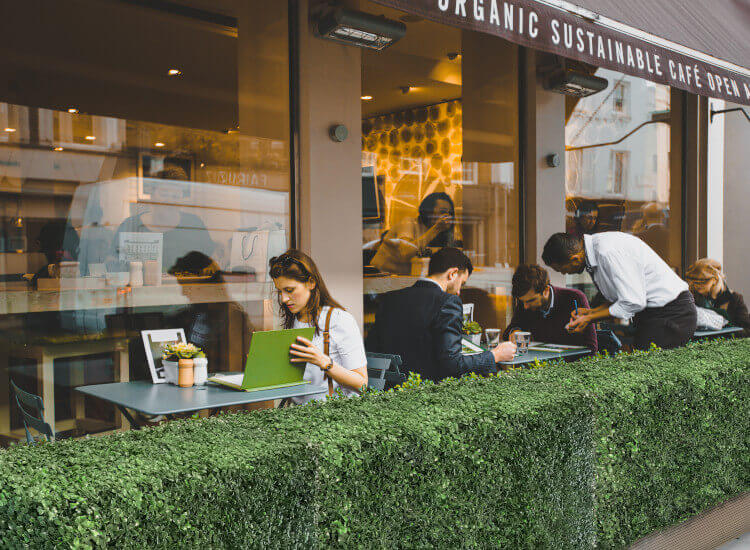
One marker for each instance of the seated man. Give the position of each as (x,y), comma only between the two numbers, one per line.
(544,310)
(423,323)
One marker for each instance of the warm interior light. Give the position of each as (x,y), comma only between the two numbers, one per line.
(90,138)
(158,144)
(366,97)
(73,110)
(59,148)
(10,129)
(174,72)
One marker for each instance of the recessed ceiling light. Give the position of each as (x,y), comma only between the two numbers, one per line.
(59,148)
(366,98)
(158,144)
(73,110)
(10,129)
(91,138)
(174,72)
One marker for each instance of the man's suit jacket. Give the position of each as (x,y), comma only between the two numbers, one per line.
(423,325)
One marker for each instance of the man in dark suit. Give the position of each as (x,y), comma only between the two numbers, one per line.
(423,323)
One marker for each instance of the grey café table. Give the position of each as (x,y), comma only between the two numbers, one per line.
(531,355)
(169,400)
(728,331)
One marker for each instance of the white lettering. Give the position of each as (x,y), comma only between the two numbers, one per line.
(735,88)
(657,65)
(568,35)
(479,10)
(639,57)
(443,4)
(697,76)
(520,20)
(533,20)
(508,16)
(620,53)
(681,72)
(718,83)
(555,24)
(461,8)
(711,81)
(600,51)
(689,73)
(494,14)
(581,45)
(591,42)
(631,59)
(747,90)
(726,86)
(672,72)
(648,63)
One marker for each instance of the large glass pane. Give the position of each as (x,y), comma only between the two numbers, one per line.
(440,135)
(617,146)
(144,181)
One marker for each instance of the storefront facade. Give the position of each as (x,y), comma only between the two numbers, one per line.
(151,164)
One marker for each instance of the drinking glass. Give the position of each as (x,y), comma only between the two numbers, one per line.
(492,337)
(522,340)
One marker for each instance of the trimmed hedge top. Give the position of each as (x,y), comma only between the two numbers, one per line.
(597,452)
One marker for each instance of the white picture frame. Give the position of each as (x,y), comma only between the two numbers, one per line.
(468,313)
(153,340)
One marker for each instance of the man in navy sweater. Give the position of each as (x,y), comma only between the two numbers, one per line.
(544,310)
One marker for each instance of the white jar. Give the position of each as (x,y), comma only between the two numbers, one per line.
(200,370)
(170,371)
(136,274)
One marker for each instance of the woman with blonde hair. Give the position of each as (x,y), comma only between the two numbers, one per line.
(335,358)
(709,287)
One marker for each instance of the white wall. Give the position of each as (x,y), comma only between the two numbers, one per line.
(737,199)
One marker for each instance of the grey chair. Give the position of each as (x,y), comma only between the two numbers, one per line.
(383,369)
(33,419)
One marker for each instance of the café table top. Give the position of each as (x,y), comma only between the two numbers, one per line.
(167,399)
(532,355)
(721,332)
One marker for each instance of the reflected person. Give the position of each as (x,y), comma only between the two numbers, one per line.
(182,231)
(433,228)
(710,289)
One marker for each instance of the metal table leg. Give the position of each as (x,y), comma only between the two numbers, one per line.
(133,424)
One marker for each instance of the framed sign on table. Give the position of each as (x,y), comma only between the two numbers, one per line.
(153,341)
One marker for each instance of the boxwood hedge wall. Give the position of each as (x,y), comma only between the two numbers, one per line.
(594,453)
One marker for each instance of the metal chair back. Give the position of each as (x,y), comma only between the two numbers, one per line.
(32,413)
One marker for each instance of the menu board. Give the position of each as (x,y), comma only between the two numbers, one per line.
(141,247)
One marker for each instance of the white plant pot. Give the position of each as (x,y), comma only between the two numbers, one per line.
(200,370)
(475,338)
(170,371)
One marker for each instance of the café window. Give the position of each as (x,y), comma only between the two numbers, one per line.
(440,140)
(628,185)
(144,183)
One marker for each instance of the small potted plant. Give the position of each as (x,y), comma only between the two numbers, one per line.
(473,332)
(184,354)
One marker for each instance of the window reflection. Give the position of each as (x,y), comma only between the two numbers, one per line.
(618,166)
(133,199)
(440,172)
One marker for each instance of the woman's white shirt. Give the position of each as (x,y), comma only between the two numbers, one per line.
(347,350)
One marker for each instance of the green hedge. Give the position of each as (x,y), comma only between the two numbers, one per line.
(594,453)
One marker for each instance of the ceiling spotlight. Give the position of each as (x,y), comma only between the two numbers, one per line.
(10,130)
(59,148)
(366,98)
(91,138)
(360,29)
(73,110)
(174,72)
(159,144)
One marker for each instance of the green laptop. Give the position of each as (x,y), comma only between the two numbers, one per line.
(268,363)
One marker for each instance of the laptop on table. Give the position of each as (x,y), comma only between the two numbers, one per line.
(268,364)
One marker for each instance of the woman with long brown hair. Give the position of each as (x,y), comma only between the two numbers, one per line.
(709,287)
(304,301)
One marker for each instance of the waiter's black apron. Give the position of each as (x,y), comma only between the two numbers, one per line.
(669,326)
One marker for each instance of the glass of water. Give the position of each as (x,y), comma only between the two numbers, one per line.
(522,340)
(492,337)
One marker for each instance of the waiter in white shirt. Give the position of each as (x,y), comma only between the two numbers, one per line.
(635,282)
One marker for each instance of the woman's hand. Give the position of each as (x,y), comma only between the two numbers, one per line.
(304,351)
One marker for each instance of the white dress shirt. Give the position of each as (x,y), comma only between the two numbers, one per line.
(629,274)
